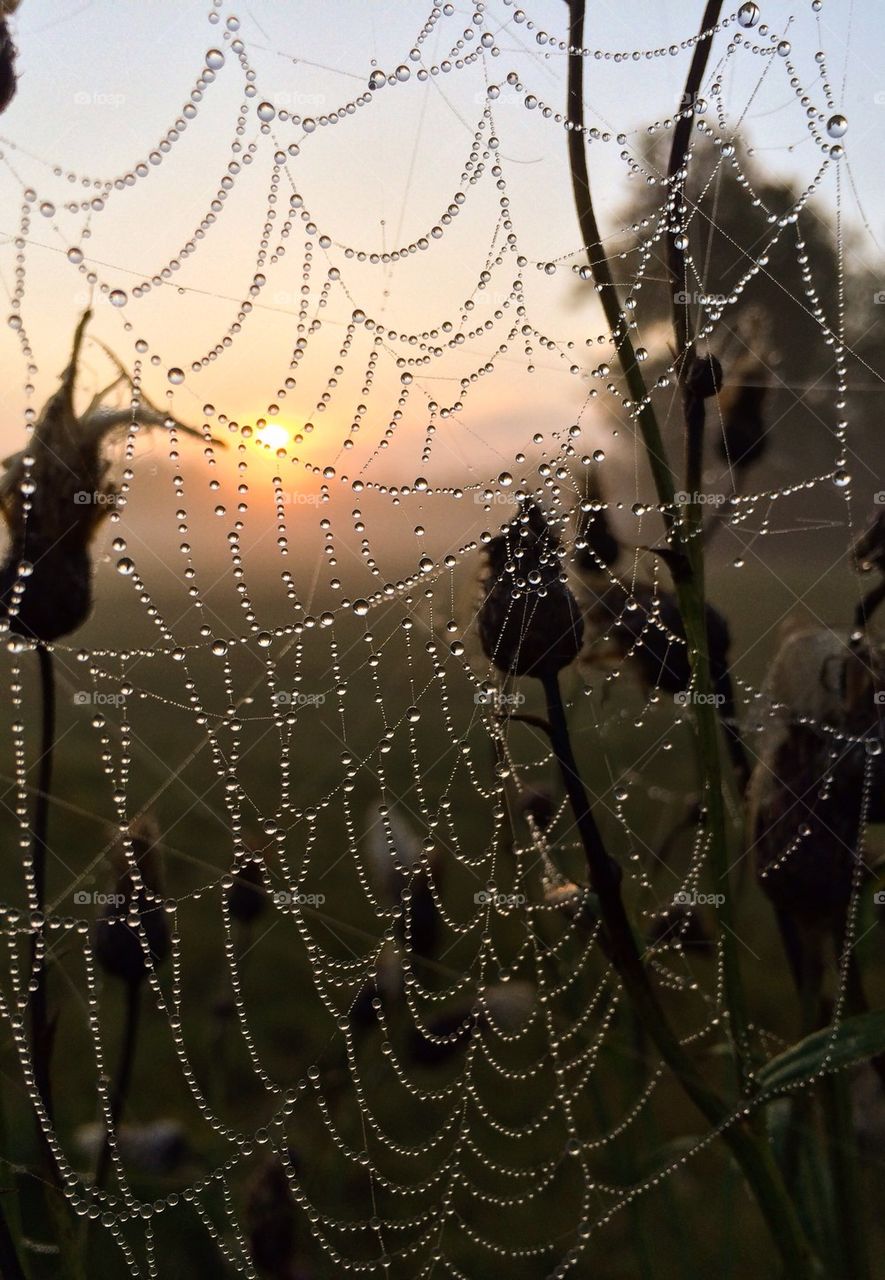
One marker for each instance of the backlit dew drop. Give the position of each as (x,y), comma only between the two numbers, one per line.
(264,639)
(361,608)
(377,80)
(75,255)
(505,479)
(425,564)
(841,479)
(219,648)
(402,72)
(837,126)
(118,297)
(641,354)
(175,376)
(748,15)
(47,208)
(266,111)
(125,566)
(214,59)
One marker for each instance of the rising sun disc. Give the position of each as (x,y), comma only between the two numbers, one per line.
(273,435)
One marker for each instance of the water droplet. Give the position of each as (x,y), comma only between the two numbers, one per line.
(377,80)
(748,15)
(219,648)
(47,208)
(118,297)
(126,567)
(413,715)
(841,479)
(425,564)
(175,376)
(837,126)
(266,111)
(75,255)
(402,72)
(505,479)
(641,354)
(214,59)
(264,639)
(405,379)
(361,608)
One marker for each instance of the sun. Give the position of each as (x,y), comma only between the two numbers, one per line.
(272,435)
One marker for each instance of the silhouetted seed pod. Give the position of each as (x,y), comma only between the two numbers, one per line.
(805,795)
(529,622)
(7,66)
(53,495)
(247,896)
(272,1221)
(703,377)
(538,804)
(744,434)
(117,941)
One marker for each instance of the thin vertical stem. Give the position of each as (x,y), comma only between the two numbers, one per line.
(686,560)
(619,945)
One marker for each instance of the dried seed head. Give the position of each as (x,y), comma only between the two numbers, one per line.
(136,899)
(529,622)
(744,435)
(53,496)
(247,896)
(7,66)
(272,1221)
(538,805)
(703,377)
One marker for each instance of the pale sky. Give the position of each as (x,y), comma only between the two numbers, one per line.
(102,81)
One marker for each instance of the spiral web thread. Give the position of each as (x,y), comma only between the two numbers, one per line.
(546,982)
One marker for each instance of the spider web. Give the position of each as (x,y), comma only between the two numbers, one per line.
(282,662)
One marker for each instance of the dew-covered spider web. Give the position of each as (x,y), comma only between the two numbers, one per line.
(344,333)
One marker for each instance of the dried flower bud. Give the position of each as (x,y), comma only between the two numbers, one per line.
(529,622)
(135,900)
(8,78)
(744,435)
(538,805)
(272,1221)
(703,377)
(247,896)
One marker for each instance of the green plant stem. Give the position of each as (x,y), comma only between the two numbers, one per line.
(687,557)
(122,1077)
(850,1250)
(619,945)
